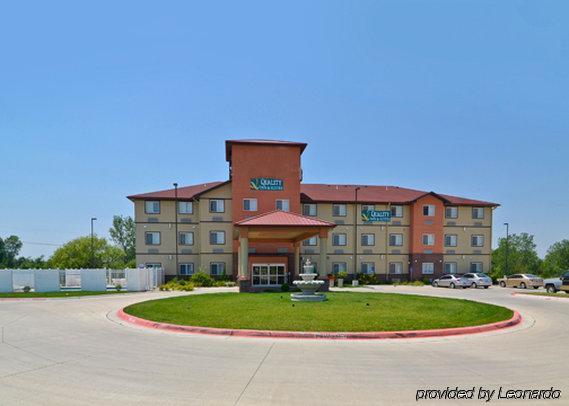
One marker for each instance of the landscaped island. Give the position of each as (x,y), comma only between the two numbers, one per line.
(343,312)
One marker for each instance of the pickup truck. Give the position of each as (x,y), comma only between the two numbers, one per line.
(554,285)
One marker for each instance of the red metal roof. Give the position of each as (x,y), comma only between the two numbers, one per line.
(184,193)
(376,194)
(229,143)
(284,218)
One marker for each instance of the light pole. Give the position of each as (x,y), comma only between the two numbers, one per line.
(176,223)
(507,271)
(92,243)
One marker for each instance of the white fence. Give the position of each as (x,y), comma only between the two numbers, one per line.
(53,280)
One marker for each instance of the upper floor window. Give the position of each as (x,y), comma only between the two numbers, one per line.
(476,267)
(185,208)
(451,212)
(186,238)
(397,211)
(428,268)
(217,268)
(395,240)
(310,242)
(152,207)
(396,267)
(216,206)
(478,213)
(217,237)
(309,209)
(282,204)
(152,238)
(339,239)
(368,240)
(186,268)
(450,267)
(338,267)
(428,239)
(250,204)
(339,210)
(477,240)
(368,268)
(429,210)
(451,240)
(368,207)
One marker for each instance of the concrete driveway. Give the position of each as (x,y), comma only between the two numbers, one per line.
(76,352)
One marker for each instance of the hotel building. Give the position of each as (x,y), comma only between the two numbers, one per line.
(262,223)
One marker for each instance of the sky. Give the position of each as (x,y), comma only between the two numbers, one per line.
(104,99)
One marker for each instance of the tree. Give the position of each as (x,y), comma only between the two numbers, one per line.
(9,250)
(522,256)
(31,263)
(77,254)
(556,260)
(123,233)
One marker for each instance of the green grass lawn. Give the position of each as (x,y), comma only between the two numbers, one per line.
(558,294)
(344,311)
(69,293)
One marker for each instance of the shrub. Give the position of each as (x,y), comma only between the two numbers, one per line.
(342,275)
(118,287)
(202,279)
(285,287)
(426,281)
(26,289)
(178,285)
(366,279)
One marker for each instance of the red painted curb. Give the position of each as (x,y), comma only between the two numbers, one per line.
(371,335)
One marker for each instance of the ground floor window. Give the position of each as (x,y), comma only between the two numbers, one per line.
(186,269)
(428,268)
(476,267)
(368,268)
(338,267)
(396,268)
(217,268)
(450,267)
(153,265)
(268,274)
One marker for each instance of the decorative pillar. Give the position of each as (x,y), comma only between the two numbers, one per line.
(243,254)
(323,262)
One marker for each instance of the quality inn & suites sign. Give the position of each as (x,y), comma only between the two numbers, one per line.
(266,184)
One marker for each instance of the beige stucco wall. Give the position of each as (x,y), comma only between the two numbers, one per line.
(463,261)
(464,235)
(465,217)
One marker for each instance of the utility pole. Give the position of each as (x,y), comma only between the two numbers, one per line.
(176,223)
(507,271)
(92,243)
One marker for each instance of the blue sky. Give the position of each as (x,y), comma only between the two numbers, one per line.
(106,99)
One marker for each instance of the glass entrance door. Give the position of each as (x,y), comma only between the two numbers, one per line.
(268,274)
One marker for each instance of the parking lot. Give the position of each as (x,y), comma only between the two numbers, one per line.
(76,351)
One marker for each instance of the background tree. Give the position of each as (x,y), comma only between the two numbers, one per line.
(77,254)
(522,256)
(556,260)
(31,263)
(123,233)
(9,249)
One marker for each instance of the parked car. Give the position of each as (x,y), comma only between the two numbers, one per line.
(553,285)
(476,279)
(521,280)
(449,281)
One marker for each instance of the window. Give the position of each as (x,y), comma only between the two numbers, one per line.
(397,211)
(395,240)
(429,210)
(151,207)
(186,268)
(217,237)
(282,204)
(309,209)
(339,239)
(268,274)
(477,240)
(368,268)
(428,239)
(152,238)
(185,208)
(155,265)
(216,206)
(476,267)
(368,240)
(250,204)
(338,267)
(478,213)
(217,268)
(451,212)
(396,268)
(451,240)
(186,238)
(368,207)
(450,267)
(428,268)
(339,210)
(310,242)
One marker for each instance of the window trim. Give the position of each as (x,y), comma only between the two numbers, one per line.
(185,264)
(345,210)
(423,268)
(338,263)
(153,232)
(367,235)
(395,245)
(476,262)
(339,234)
(429,206)
(451,207)
(455,268)
(395,263)
(477,236)
(185,201)
(367,263)
(218,263)
(308,214)
(251,199)
(180,237)
(427,244)
(216,200)
(455,241)
(217,231)
(283,200)
(474,209)
(306,243)
(394,211)
(152,201)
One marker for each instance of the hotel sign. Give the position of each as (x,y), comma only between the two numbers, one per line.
(266,184)
(376,216)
